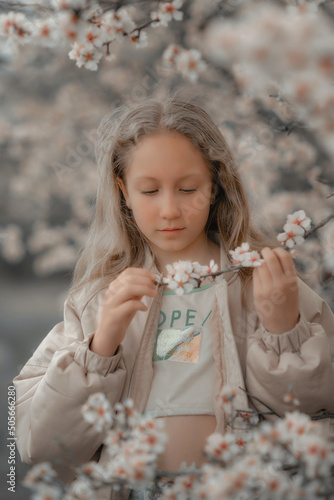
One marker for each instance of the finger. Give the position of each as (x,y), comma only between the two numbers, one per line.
(143,271)
(129,293)
(273,264)
(289,270)
(130,281)
(286,260)
(137,271)
(265,276)
(257,280)
(132,306)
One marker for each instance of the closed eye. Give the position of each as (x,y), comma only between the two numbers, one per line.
(184,190)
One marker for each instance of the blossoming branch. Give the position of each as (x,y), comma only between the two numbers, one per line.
(290,458)
(184,276)
(92,26)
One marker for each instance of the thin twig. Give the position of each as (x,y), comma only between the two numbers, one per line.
(322,223)
(203,276)
(324,414)
(259,400)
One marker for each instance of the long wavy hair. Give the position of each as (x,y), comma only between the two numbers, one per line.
(114,241)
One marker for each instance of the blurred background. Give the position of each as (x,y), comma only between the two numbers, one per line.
(263,70)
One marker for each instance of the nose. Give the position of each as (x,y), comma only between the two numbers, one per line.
(169,206)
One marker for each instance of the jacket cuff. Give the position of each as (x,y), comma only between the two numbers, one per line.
(95,363)
(289,341)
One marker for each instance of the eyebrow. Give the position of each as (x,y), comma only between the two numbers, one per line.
(154,179)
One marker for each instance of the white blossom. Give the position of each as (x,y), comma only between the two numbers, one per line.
(317,454)
(211,268)
(170,55)
(139,38)
(120,23)
(45,32)
(16,26)
(85,55)
(70,25)
(299,218)
(97,411)
(80,489)
(242,255)
(238,253)
(289,397)
(43,491)
(154,15)
(40,472)
(295,425)
(167,11)
(245,419)
(293,235)
(252,259)
(227,397)
(91,36)
(149,432)
(70,4)
(222,447)
(133,463)
(181,276)
(275,485)
(190,63)
(93,472)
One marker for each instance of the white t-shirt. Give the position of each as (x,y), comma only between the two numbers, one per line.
(183,355)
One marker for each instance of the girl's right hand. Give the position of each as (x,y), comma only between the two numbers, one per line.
(121,302)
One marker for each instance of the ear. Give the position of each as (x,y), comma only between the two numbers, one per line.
(122,187)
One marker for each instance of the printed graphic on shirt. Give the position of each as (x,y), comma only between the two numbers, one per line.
(178,345)
(179,319)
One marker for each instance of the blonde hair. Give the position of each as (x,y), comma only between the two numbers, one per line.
(113,241)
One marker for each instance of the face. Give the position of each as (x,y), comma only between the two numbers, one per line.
(168,185)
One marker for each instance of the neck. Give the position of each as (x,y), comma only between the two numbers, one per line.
(203,251)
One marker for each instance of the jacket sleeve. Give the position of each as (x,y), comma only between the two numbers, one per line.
(303,356)
(51,388)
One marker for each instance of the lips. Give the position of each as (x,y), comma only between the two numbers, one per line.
(173,229)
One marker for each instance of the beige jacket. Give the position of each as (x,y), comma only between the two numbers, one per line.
(57,380)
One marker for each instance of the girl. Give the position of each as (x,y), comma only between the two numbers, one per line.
(169,189)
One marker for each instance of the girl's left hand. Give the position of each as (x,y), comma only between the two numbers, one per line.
(275,289)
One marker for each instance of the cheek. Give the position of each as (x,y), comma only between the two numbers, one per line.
(201,202)
(198,205)
(143,210)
